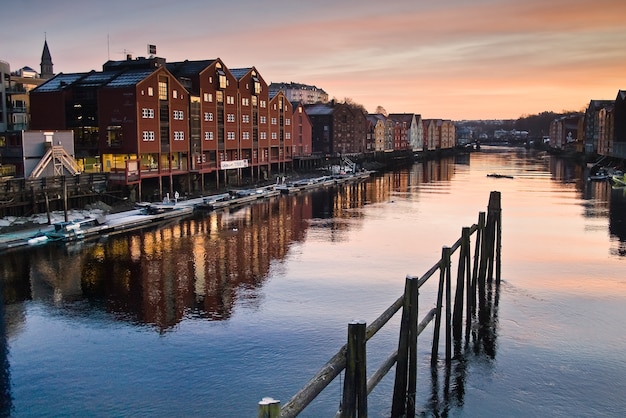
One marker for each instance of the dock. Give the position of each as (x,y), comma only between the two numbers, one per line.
(148,214)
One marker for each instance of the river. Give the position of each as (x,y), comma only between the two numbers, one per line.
(206,316)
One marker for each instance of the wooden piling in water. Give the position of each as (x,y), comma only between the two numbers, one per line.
(405,384)
(457,317)
(354,402)
(352,357)
(269,408)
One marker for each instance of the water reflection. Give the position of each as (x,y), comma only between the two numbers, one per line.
(448,391)
(198,267)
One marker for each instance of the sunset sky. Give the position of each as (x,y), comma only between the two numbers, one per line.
(456,59)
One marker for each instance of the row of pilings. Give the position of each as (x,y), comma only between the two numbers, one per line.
(469,319)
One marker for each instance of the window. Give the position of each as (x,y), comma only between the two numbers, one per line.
(179,115)
(273,121)
(287,121)
(245,135)
(274,135)
(245,101)
(147,113)
(230,100)
(219,96)
(263,119)
(263,104)
(230,117)
(221,79)
(175,94)
(208,117)
(150,91)
(287,135)
(179,136)
(231,136)
(208,136)
(245,118)
(263,135)
(114,136)
(148,135)
(162,88)
(208,97)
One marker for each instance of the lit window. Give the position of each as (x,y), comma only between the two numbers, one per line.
(263,104)
(208,97)
(150,91)
(245,101)
(175,94)
(230,100)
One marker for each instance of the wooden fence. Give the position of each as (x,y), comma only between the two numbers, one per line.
(473,290)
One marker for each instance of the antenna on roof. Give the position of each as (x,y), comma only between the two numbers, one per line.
(128,54)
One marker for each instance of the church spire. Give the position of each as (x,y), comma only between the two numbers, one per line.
(46,61)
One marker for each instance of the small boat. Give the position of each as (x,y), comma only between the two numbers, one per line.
(77,229)
(500,176)
(600,175)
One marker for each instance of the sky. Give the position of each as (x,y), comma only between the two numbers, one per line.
(451,59)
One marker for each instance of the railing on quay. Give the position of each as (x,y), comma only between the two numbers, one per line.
(473,288)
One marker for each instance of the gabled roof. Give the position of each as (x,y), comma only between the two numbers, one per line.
(188,68)
(402,117)
(238,73)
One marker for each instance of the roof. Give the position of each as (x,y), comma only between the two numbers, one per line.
(60,82)
(188,68)
(238,73)
(129,78)
(319,109)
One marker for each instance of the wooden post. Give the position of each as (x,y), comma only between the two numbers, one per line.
(64,182)
(406,364)
(47,207)
(457,320)
(448,305)
(498,215)
(269,408)
(435,349)
(355,383)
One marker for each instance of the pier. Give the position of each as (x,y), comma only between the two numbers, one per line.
(467,315)
(149,214)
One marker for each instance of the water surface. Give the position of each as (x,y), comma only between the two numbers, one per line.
(206,316)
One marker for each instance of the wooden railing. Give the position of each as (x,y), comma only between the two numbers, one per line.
(472,290)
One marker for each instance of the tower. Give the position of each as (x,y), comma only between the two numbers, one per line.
(46,62)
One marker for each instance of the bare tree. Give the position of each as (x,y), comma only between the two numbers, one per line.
(381,110)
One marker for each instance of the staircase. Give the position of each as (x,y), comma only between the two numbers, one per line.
(60,159)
